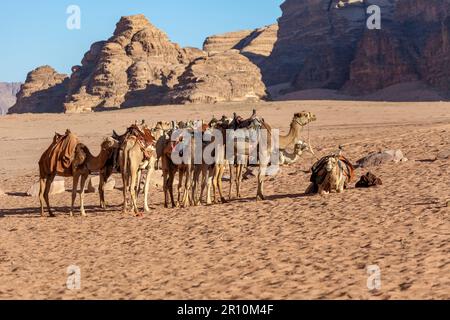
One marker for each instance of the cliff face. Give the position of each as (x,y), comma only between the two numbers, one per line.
(8,92)
(256,44)
(326,44)
(44,91)
(222,76)
(317,42)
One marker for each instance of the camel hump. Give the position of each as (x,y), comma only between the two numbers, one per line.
(57,159)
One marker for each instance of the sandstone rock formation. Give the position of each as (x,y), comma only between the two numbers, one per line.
(326,44)
(43,91)
(256,45)
(137,66)
(140,66)
(8,92)
(220,77)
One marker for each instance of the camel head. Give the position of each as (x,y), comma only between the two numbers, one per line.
(299,147)
(331,163)
(109,143)
(303,118)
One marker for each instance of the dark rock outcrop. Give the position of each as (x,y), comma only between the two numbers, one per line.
(326,44)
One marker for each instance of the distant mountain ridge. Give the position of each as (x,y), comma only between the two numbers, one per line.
(8,92)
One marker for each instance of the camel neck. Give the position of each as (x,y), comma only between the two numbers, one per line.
(292,137)
(98,162)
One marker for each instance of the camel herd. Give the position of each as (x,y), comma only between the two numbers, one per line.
(174,148)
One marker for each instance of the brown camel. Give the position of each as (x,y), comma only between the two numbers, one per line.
(66,157)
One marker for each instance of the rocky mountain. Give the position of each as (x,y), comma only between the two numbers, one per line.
(8,93)
(43,91)
(326,44)
(140,66)
(237,78)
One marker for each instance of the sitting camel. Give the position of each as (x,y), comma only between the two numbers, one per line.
(66,157)
(331,174)
(287,158)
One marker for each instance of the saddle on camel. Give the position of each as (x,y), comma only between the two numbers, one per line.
(58,159)
(143,136)
(331,174)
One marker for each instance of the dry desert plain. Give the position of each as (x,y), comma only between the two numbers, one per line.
(291,246)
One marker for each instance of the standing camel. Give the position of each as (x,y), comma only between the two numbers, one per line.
(138,153)
(296,126)
(66,157)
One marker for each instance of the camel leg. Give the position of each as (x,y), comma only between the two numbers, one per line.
(180,185)
(83,188)
(101,190)
(261,176)
(219,184)
(166,188)
(198,174)
(134,174)
(232,177)
(239,172)
(125,188)
(185,199)
(76,178)
(214,181)
(170,183)
(150,171)
(138,183)
(48,185)
(42,183)
(209,181)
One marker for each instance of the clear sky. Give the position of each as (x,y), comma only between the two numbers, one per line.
(34,33)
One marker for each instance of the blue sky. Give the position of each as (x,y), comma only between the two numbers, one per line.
(34,33)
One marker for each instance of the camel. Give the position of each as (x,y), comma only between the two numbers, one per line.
(170,168)
(298,122)
(84,164)
(72,159)
(137,153)
(287,158)
(331,174)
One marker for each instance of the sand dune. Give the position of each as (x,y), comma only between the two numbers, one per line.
(288,247)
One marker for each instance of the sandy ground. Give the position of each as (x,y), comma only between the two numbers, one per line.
(288,247)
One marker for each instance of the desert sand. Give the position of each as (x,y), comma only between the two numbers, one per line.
(291,246)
